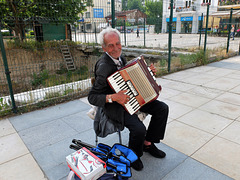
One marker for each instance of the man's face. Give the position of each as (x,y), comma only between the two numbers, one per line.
(112,45)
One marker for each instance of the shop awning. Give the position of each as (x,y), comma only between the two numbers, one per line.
(226,14)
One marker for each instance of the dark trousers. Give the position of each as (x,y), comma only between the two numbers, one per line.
(156,129)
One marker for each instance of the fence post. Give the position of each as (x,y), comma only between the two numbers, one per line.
(84,32)
(7,72)
(200,30)
(170,36)
(113,13)
(205,42)
(95,29)
(75,33)
(144,33)
(229,29)
(125,39)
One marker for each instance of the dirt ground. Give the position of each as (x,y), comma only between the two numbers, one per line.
(23,63)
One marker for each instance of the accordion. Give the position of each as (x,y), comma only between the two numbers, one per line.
(140,82)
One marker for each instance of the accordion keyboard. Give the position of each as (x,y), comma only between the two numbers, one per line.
(138,87)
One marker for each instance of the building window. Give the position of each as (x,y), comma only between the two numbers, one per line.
(186,5)
(189,3)
(207,2)
(108,3)
(89,26)
(87,15)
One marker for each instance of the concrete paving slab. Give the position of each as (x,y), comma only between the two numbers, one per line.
(222,155)
(227,65)
(47,114)
(191,169)
(202,91)
(158,168)
(235,90)
(184,138)
(11,147)
(22,168)
(79,122)
(45,134)
(190,99)
(223,83)
(215,148)
(6,128)
(180,86)
(221,108)
(235,75)
(177,110)
(232,132)
(201,69)
(200,79)
(167,93)
(231,98)
(53,155)
(205,121)
(181,75)
(163,81)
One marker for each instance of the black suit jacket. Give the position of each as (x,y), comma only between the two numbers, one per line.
(97,95)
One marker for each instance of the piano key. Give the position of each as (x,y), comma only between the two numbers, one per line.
(116,75)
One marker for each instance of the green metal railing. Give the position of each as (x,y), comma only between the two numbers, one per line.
(33,72)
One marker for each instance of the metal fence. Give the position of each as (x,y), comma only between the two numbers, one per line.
(49,48)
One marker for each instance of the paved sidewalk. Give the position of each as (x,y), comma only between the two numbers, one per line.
(202,139)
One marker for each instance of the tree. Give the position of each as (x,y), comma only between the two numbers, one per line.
(124,5)
(154,13)
(135,4)
(153,8)
(16,15)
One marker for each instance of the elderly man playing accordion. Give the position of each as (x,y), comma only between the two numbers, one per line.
(102,95)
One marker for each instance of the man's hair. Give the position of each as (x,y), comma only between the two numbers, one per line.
(105,31)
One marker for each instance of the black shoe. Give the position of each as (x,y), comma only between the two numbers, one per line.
(154,151)
(137,165)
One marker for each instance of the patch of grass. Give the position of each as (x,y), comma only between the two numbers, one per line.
(3,105)
(40,78)
(50,95)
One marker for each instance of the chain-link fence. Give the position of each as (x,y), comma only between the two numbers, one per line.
(49,48)
(40,63)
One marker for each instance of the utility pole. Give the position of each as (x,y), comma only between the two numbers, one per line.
(170,36)
(205,42)
(229,29)
(113,13)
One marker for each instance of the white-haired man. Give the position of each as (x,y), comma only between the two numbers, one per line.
(102,95)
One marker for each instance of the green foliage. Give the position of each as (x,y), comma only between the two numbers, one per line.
(40,78)
(3,106)
(68,91)
(135,4)
(62,76)
(50,95)
(16,15)
(62,69)
(33,45)
(83,70)
(121,23)
(154,9)
(124,5)
(202,59)
(199,58)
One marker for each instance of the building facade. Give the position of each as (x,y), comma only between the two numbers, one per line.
(94,18)
(186,14)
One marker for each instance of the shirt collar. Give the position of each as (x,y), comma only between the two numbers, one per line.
(115,60)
